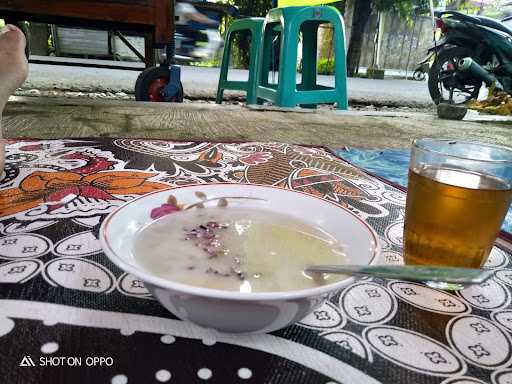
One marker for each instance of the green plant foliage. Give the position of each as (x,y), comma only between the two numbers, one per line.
(247,8)
(208,63)
(325,67)
(404,8)
(251,8)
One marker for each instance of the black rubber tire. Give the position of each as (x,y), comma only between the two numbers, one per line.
(147,77)
(433,75)
(418,75)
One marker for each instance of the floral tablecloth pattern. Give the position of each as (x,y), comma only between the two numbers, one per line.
(61,300)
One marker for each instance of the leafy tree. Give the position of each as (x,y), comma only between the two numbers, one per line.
(247,8)
(258,8)
(362,10)
(404,8)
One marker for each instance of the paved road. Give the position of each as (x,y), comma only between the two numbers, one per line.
(202,83)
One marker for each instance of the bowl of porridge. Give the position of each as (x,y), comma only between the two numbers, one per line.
(232,256)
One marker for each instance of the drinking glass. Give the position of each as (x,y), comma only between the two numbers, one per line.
(458,195)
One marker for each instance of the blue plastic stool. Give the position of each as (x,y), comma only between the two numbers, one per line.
(254,26)
(289,22)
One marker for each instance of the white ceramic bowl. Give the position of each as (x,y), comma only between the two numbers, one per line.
(229,311)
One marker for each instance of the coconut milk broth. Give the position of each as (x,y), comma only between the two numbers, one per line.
(236,249)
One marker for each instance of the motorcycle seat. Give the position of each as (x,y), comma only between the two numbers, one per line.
(494,24)
(479,20)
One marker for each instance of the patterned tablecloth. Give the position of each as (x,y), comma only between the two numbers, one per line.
(68,315)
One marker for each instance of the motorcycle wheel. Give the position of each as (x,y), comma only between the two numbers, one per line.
(419,75)
(444,77)
(151,82)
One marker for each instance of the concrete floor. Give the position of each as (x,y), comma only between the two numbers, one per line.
(39,117)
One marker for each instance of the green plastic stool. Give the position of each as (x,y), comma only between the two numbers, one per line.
(288,23)
(254,26)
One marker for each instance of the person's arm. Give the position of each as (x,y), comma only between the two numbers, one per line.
(200,18)
(190,12)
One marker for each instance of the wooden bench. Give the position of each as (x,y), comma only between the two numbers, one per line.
(149,18)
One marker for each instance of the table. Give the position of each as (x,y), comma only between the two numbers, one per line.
(64,305)
(152,18)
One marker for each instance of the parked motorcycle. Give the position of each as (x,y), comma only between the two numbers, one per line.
(473,50)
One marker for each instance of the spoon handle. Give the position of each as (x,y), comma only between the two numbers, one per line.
(411,273)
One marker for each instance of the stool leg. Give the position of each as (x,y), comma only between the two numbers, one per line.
(253,67)
(266,54)
(309,58)
(224,68)
(340,67)
(287,87)
(309,55)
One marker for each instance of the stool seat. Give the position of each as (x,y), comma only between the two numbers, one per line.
(254,27)
(289,23)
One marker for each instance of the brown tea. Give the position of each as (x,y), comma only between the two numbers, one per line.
(452,216)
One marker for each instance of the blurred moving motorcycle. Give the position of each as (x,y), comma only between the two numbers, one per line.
(196,39)
(197,36)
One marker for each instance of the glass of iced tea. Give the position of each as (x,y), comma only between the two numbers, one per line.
(458,195)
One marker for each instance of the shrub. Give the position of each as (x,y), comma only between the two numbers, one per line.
(326,66)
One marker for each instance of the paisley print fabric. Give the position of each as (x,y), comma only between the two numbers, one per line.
(60,298)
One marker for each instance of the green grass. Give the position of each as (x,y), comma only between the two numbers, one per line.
(208,63)
(325,67)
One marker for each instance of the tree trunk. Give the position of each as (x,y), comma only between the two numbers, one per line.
(348,12)
(362,12)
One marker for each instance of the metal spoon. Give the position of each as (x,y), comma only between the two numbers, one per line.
(410,273)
